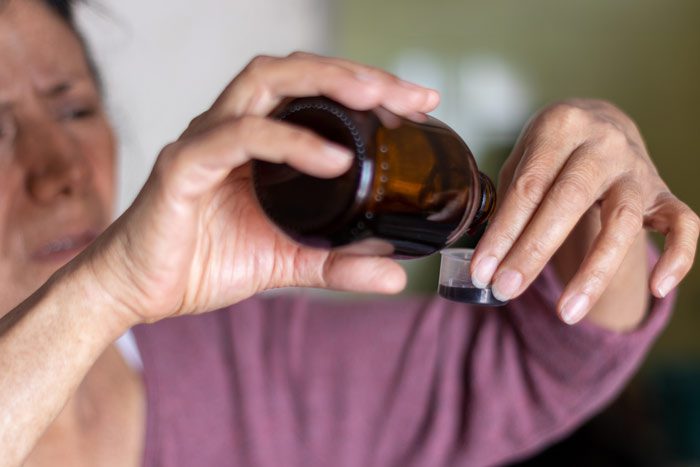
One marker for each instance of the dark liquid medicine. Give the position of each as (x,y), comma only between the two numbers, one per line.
(469,295)
(413,189)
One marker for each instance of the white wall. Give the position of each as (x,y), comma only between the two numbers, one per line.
(165,61)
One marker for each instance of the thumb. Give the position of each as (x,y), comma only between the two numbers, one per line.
(363,274)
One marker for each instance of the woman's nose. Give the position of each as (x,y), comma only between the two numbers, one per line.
(54,165)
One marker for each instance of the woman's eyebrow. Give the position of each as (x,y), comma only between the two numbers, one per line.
(58,89)
(66,85)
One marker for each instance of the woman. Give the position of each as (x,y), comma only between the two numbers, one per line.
(296,381)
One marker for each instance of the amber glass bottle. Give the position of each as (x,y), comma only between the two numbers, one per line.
(413,190)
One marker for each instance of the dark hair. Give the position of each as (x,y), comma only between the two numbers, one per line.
(64,9)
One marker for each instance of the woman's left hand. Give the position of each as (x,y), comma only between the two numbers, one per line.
(573,158)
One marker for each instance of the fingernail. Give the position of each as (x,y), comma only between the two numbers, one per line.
(433,98)
(666,286)
(484,272)
(507,283)
(340,154)
(575,308)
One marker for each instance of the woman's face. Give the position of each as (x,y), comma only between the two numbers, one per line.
(56,149)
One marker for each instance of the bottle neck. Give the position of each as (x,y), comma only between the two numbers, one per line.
(487,204)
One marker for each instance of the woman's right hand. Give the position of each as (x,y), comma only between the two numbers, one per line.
(195,239)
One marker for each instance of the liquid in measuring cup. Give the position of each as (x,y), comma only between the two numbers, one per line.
(455,281)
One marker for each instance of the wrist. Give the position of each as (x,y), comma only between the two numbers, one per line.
(77,288)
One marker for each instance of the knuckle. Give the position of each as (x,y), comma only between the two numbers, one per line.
(196,122)
(325,273)
(572,190)
(684,256)
(665,200)
(628,215)
(603,104)
(530,187)
(503,238)
(245,126)
(183,152)
(300,54)
(252,83)
(170,161)
(614,138)
(259,61)
(641,170)
(566,115)
(328,69)
(254,73)
(538,252)
(390,78)
(297,54)
(299,137)
(597,279)
(689,218)
(166,156)
(617,243)
(259,92)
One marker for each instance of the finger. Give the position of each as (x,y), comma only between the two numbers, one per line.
(575,190)
(341,271)
(370,73)
(363,274)
(681,226)
(266,80)
(197,164)
(621,221)
(540,164)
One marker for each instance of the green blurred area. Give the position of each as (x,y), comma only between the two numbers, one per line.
(643,55)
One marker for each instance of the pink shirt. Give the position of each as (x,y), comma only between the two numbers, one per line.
(297,381)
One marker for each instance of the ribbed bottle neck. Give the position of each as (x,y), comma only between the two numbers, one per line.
(487,204)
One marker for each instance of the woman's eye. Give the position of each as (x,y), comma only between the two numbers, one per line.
(77,113)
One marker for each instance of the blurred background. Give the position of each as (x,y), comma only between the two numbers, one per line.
(495,62)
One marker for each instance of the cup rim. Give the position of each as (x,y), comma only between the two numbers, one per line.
(457,254)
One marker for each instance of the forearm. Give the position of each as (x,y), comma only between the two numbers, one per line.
(624,304)
(47,344)
(474,386)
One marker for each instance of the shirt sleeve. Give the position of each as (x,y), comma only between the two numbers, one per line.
(432,382)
